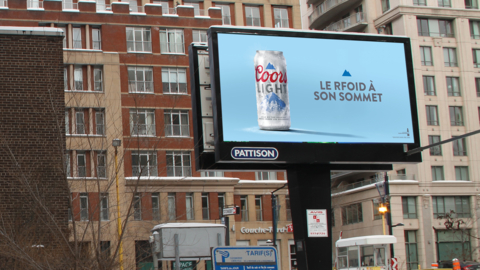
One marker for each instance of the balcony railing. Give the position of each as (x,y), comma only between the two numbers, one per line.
(69,5)
(348,22)
(104,7)
(137,9)
(324,7)
(34,4)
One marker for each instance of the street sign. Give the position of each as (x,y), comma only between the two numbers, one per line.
(394,264)
(231,211)
(244,258)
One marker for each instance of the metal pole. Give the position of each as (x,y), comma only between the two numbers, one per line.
(274,219)
(177,252)
(119,220)
(389,213)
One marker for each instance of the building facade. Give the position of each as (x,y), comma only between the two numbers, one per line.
(126,77)
(444,37)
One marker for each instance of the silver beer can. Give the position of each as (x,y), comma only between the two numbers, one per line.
(273,107)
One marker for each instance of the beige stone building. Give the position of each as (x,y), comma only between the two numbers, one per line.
(446,53)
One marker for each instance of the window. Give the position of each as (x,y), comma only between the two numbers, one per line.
(98,79)
(100,122)
(83,206)
(352,214)
(65,79)
(376,214)
(453,244)
(212,174)
(453,87)
(293,256)
(199,36)
(385,5)
(419,2)
(429,86)
(67,121)
(281,17)
(436,150)
(137,207)
(155,206)
(172,212)
(461,173)
(437,173)
(139,39)
(221,203)
(471,4)
(77,37)
(133,5)
(30,4)
(140,80)
(189,206)
(477,86)
(411,250)
(409,207)
(205,205)
(142,122)
(288,207)
(96,39)
(476,58)
(266,175)
(226,18)
(434,28)
(101,5)
(178,164)
(460,205)
(176,123)
(475,29)
(172,41)
(456,116)
(244,207)
(101,165)
(174,80)
(460,147)
(78,78)
(105,249)
(426,56)
(432,115)
(252,16)
(258,207)
(401,171)
(67,164)
(64,29)
(444,3)
(144,164)
(81,164)
(143,255)
(450,57)
(104,207)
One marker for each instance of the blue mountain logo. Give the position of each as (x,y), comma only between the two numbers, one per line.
(272,103)
(225,254)
(270,66)
(346,74)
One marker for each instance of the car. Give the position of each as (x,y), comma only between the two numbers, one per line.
(465,265)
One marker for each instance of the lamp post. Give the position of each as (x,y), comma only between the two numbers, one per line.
(383,210)
(116,143)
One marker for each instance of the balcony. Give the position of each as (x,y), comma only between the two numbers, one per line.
(69,5)
(354,23)
(327,10)
(34,4)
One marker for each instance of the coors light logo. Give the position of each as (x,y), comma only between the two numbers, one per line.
(273,108)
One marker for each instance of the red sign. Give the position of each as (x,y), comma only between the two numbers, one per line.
(394,264)
(290,228)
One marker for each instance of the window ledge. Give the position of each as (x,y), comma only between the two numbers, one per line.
(105,11)
(139,52)
(86,178)
(3,7)
(451,181)
(142,136)
(181,94)
(84,50)
(187,178)
(143,93)
(177,137)
(138,13)
(202,17)
(85,135)
(84,91)
(172,53)
(36,9)
(70,10)
(170,15)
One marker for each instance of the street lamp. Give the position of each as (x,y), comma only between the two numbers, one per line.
(116,143)
(383,210)
(397,225)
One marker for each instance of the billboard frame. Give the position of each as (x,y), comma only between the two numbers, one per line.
(314,153)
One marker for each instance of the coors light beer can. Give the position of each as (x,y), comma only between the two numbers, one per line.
(273,107)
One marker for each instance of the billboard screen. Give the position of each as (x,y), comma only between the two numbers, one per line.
(298,87)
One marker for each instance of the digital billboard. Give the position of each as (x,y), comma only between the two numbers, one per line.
(292,88)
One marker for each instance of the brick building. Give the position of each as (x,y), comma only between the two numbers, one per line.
(32,183)
(126,76)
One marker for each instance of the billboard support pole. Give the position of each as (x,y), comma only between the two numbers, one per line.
(309,188)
